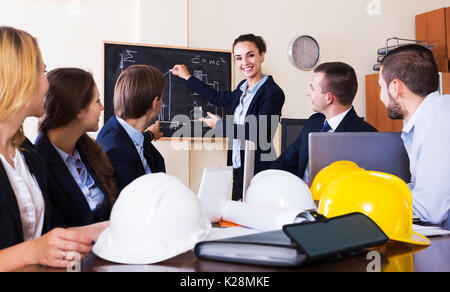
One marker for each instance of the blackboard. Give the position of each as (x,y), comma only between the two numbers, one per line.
(211,66)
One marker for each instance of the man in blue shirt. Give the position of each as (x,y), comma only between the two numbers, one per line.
(409,82)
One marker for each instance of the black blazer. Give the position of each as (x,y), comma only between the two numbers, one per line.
(64,191)
(123,154)
(268,101)
(11,232)
(295,158)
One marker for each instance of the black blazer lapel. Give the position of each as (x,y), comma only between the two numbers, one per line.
(347,121)
(8,199)
(259,93)
(124,136)
(62,174)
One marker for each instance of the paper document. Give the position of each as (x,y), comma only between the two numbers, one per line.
(430,231)
(258,217)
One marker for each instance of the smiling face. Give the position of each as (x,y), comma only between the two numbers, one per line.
(248,59)
(319,98)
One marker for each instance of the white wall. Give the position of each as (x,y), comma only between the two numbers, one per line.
(344,30)
(71,32)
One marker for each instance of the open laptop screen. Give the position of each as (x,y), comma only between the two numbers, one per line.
(382,152)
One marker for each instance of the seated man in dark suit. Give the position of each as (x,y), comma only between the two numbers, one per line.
(332,91)
(137,102)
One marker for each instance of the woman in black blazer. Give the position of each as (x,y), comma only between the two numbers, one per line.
(82,184)
(254,104)
(26,213)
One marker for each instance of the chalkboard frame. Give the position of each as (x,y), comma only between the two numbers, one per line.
(105,43)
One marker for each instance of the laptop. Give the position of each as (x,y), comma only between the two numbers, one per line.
(216,182)
(213,191)
(382,152)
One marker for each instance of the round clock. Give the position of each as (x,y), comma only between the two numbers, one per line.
(304,52)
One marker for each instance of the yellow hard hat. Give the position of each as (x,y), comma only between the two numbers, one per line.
(385,198)
(329,174)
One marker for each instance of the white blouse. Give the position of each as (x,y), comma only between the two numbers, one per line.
(28,195)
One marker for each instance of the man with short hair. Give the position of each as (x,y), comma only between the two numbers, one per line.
(409,82)
(137,102)
(332,91)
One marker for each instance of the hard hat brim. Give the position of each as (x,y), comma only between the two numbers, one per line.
(415,238)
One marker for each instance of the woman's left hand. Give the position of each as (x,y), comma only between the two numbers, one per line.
(211,122)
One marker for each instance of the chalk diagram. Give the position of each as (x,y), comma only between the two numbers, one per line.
(198,109)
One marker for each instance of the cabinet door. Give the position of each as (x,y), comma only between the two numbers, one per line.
(447,19)
(431,26)
(376,111)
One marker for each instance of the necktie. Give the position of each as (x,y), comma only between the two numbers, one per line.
(93,194)
(147,149)
(326,127)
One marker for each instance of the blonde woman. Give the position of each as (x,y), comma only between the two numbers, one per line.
(27,217)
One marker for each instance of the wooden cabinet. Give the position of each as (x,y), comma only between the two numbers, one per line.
(434,27)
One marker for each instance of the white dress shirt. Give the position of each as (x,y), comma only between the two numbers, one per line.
(426,137)
(334,123)
(28,195)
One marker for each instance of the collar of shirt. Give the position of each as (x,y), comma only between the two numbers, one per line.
(335,121)
(135,135)
(254,89)
(419,112)
(66,157)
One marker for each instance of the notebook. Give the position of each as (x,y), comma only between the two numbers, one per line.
(297,244)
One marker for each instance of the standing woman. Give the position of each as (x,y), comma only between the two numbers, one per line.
(82,185)
(258,95)
(27,217)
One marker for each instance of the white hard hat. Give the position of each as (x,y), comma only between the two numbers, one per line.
(280,189)
(155,218)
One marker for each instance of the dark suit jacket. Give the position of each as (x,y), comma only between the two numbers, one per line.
(11,232)
(268,101)
(296,156)
(64,191)
(123,154)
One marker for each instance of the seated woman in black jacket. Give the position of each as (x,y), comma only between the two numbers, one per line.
(82,185)
(27,217)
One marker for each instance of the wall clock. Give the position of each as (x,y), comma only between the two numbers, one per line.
(304,52)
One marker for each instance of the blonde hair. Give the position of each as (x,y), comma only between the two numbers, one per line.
(20,62)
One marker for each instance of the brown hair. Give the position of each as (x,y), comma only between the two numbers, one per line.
(340,80)
(415,66)
(70,91)
(257,40)
(136,89)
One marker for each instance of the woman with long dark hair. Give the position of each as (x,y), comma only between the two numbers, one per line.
(30,225)
(82,185)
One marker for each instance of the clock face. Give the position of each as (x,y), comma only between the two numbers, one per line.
(304,52)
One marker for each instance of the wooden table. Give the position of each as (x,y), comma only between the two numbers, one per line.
(394,257)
